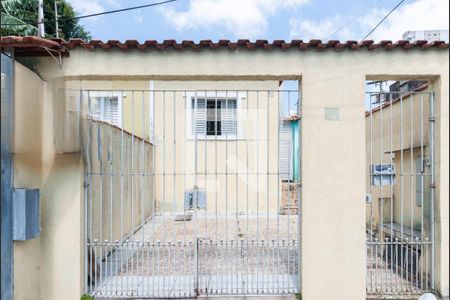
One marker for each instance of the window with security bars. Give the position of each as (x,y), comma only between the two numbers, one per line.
(106,109)
(214,117)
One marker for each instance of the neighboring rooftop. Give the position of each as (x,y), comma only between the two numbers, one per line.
(426,35)
(32,45)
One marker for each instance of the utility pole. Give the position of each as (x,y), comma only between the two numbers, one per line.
(41,29)
(56,20)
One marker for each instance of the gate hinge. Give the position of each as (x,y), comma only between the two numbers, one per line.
(86,184)
(432,185)
(432,119)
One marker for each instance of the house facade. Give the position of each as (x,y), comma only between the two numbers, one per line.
(50,153)
(399,141)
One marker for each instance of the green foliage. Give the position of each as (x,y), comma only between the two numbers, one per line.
(298,296)
(86,297)
(24,12)
(15,12)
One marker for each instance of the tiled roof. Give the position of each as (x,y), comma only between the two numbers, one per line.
(19,42)
(28,41)
(32,45)
(403,96)
(247,44)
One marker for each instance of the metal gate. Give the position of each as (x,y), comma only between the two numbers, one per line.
(400,192)
(185,194)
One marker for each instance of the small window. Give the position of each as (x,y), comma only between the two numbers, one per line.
(107,109)
(383,174)
(214,117)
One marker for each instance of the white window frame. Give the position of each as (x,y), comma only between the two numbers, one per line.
(212,95)
(106,94)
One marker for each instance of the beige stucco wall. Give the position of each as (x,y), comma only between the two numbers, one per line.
(32,141)
(441,87)
(175,160)
(333,208)
(40,264)
(33,158)
(329,149)
(117,205)
(255,147)
(61,256)
(386,129)
(409,201)
(383,130)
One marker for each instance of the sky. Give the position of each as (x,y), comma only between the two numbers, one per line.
(261,19)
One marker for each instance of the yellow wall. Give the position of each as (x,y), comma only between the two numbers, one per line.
(33,142)
(441,87)
(228,158)
(137,107)
(62,237)
(329,150)
(383,138)
(332,197)
(41,265)
(33,159)
(117,205)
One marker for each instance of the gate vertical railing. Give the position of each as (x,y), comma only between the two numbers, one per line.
(400,187)
(432,188)
(147,152)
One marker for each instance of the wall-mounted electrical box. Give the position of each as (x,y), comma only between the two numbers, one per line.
(26,220)
(194,199)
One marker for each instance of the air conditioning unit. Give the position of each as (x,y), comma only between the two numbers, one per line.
(194,199)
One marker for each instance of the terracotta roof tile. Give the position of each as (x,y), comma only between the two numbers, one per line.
(131,43)
(32,41)
(401,43)
(261,44)
(187,43)
(332,43)
(366,43)
(294,43)
(339,46)
(420,43)
(33,45)
(353,45)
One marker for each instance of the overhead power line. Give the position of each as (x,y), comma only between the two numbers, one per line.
(382,20)
(104,13)
(349,23)
(119,10)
